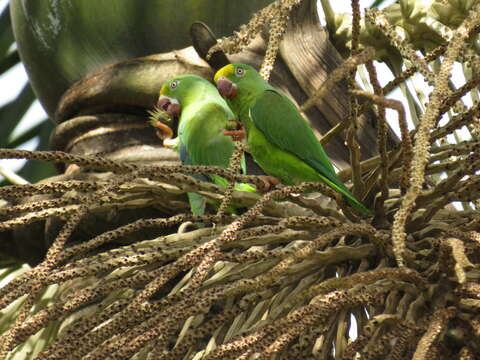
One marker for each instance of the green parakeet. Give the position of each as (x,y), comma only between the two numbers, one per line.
(203,116)
(277,136)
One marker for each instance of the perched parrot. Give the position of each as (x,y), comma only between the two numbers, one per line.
(277,136)
(203,116)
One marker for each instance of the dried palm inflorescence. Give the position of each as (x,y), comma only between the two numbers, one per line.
(276,17)
(285,279)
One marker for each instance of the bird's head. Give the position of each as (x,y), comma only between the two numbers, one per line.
(167,100)
(232,78)
(175,96)
(168,107)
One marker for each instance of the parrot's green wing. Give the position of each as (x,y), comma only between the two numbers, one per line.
(281,123)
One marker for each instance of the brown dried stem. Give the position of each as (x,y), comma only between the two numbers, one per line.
(422,137)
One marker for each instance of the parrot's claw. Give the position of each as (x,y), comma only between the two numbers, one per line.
(269,182)
(164,132)
(159,134)
(234,130)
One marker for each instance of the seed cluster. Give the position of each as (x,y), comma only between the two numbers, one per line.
(275,18)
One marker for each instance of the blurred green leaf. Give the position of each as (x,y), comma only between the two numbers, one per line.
(12,113)
(6,33)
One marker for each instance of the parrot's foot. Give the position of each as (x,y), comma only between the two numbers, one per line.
(164,132)
(236,135)
(235,130)
(269,182)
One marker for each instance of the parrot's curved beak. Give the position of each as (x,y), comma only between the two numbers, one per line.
(226,88)
(170,105)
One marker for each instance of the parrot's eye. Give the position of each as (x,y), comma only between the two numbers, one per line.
(174,84)
(239,72)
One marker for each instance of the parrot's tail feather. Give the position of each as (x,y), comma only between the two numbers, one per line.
(357,205)
(340,187)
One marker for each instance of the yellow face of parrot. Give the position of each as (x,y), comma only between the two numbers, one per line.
(167,108)
(236,78)
(225,72)
(163,89)
(168,102)
(225,80)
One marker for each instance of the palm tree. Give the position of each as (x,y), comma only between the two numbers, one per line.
(124,271)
